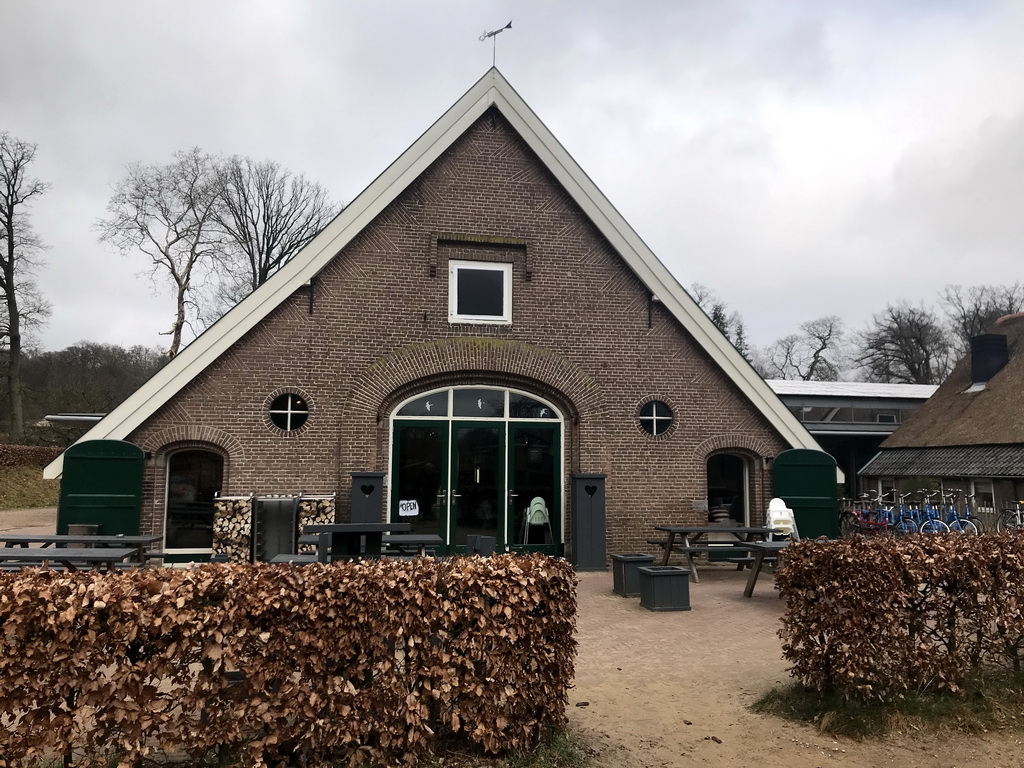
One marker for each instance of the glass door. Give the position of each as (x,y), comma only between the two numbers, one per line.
(478,482)
(534,492)
(481,461)
(419,488)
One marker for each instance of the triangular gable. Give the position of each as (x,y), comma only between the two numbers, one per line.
(492,90)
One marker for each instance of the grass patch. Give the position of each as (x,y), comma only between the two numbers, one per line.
(990,704)
(560,749)
(24,488)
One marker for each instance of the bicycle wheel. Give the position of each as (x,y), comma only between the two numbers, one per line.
(849,525)
(904,527)
(1010,520)
(963,525)
(934,526)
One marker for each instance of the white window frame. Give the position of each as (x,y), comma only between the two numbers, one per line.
(453,282)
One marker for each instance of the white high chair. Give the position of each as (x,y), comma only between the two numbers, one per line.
(782,518)
(537,514)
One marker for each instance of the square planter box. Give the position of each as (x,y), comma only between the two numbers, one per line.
(626,572)
(665,588)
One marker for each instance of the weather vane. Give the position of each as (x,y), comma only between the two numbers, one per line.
(494,35)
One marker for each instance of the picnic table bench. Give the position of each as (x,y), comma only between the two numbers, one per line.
(399,544)
(63,540)
(692,540)
(71,558)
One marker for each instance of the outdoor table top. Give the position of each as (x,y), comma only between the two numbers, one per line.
(359,528)
(295,559)
(404,541)
(687,529)
(68,556)
(24,539)
(768,546)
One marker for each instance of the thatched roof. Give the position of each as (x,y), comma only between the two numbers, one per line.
(954,416)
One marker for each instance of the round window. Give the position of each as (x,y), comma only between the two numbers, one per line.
(655,418)
(288,412)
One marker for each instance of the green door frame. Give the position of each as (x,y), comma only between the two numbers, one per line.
(519,501)
(499,482)
(441,528)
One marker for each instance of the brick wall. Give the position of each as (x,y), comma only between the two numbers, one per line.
(376,330)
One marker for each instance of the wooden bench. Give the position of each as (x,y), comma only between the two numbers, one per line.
(703,549)
(300,559)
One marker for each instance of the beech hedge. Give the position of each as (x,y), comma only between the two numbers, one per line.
(27,455)
(365,663)
(874,618)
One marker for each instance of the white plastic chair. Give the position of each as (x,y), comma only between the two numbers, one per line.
(781,517)
(536,514)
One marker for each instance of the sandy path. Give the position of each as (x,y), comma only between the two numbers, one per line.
(42,520)
(661,687)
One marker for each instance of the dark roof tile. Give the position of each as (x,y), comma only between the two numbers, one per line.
(952,461)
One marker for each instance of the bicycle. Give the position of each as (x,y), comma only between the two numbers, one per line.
(850,518)
(862,517)
(956,523)
(905,520)
(967,514)
(1011,519)
(932,521)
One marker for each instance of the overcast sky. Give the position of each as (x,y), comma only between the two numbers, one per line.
(799,158)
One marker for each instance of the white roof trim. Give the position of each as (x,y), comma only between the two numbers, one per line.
(491,90)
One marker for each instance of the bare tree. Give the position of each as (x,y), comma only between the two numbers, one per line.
(906,345)
(816,353)
(268,214)
(729,323)
(167,213)
(22,306)
(971,310)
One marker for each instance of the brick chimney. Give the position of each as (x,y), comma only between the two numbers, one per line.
(988,356)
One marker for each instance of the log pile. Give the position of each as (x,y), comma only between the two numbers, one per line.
(315,510)
(232,528)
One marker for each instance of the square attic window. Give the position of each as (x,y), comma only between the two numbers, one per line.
(479,292)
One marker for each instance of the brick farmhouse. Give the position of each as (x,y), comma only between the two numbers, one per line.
(479,327)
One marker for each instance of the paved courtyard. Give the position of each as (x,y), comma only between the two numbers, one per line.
(673,689)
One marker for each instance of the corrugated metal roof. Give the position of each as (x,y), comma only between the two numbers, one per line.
(953,461)
(852,389)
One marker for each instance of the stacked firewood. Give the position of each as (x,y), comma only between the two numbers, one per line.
(315,510)
(232,528)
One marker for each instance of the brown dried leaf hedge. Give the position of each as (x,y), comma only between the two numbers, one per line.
(874,618)
(362,662)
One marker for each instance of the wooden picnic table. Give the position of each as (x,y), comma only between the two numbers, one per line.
(418,541)
(72,558)
(687,540)
(394,542)
(347,539)
(761,550)
(25,540)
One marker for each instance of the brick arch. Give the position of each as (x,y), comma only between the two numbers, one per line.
(453,361)
(447,362)
(201,435)
(732,441)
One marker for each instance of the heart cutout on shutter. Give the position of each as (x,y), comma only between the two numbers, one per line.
(590,489)
(367,489)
